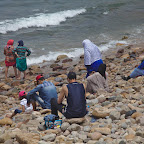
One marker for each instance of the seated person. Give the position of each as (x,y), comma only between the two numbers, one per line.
(138,71)
(23,103)
(47,91)
(76,101)
(97,80)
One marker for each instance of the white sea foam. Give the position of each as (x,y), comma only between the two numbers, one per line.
(75,52)
(106,12)
(39,20)
(111,44)
(72,53)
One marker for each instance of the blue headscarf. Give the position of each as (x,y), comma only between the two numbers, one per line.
(20,43)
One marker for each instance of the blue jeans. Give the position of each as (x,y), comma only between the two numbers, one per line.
(17,111)
(37,98)
(137,72)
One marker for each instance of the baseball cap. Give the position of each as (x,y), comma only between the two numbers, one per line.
(38,77)
(22,93)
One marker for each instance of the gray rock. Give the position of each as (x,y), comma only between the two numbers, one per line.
(64,126)
(140,133)
(49,137)
(124,125)
(105,103)
(122,142)
(42,142)
(41,127)
(74,127)
(75,133)
(86,128)
(83,136)
(114,115)
(10,141)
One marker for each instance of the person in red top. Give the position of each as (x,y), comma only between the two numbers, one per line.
(10,59)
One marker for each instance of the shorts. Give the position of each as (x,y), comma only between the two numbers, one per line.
(17,111)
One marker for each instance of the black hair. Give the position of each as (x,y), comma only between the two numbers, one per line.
(42,78)
(23,97)
(142,60)
(71,75)
(102,70)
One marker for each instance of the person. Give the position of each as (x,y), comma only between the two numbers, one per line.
(10,59)
(21,58)
(138,71)
(92,56)
(97,80)
(76,101)
(47,91)
(25,108)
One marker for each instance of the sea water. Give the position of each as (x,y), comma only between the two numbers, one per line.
(53,27)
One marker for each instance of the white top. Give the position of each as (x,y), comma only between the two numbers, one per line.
(91,52)
(23,102)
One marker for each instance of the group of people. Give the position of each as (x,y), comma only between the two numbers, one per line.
(16,57)
(74,92)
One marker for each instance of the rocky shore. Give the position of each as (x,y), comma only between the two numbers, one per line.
(110,119)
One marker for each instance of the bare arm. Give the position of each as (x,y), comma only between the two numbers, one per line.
(23,108)
(62,95)
(85,89)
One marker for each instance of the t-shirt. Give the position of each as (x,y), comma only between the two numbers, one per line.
(24,103)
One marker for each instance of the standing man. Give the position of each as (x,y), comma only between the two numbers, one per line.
(76,101)
(47,91)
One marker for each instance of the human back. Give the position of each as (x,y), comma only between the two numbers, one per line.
(76,103)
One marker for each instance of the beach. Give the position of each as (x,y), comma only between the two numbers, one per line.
(54,34)
(110,126)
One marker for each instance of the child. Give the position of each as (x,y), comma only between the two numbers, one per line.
(23,103)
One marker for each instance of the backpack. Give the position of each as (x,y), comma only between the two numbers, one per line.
(51,121)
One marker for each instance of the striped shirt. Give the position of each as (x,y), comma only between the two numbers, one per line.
(21,51)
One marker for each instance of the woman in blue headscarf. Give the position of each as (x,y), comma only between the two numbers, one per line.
(20,52)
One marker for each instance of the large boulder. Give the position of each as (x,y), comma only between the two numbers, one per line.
(27,138)
(102,130)
(75,120)
(101,112)
(60,57)
(6,121)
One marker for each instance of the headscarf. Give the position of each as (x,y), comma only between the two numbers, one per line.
(91,52)
(20,43)
(102,70)
(10,42)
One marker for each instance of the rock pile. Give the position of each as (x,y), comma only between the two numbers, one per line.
(114,121)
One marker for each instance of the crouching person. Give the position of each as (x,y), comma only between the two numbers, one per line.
(47,91)
(76,101)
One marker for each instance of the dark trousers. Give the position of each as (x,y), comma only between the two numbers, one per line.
(55,107)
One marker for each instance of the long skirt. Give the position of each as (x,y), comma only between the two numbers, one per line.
(21,64)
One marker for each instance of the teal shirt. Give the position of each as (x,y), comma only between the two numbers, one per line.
(21,50)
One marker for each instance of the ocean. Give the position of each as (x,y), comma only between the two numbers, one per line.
(53,27)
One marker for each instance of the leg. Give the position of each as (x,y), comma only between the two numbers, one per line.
(55,107)
(34,105)
(15,112)
(24,75)
(35,97)
(15,71)
(19,73)
(6,71)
